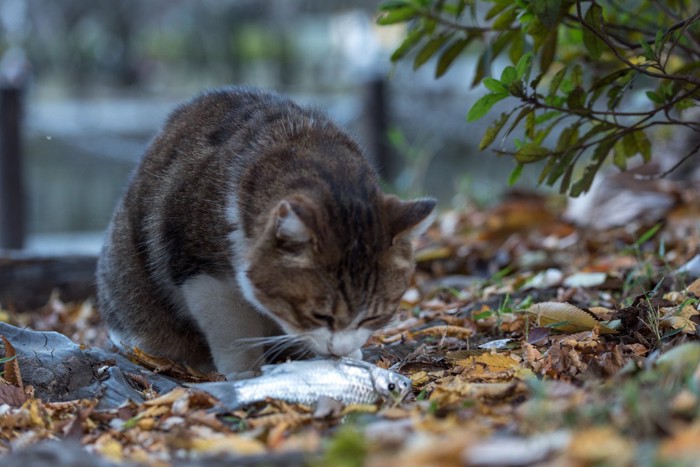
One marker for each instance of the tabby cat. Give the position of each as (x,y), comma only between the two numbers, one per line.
(250,216)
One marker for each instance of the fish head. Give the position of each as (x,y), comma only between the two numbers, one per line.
(389,385)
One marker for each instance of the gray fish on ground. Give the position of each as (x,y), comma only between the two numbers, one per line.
(305,381)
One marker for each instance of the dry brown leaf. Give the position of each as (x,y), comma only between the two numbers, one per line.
(11,371)
(11,395)
(682,447)
(694,288)
(230,443)
(446,331)
(601,446)
(565,317)
(674,319)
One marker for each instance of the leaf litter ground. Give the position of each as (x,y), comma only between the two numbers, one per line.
(528,340)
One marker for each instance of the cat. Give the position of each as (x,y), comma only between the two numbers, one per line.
(251,216)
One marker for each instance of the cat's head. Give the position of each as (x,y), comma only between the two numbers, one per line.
(334,276)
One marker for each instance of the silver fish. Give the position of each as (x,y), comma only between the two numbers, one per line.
(346,380)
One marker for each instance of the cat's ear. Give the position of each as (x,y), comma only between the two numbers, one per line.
(408,218)
(289,223)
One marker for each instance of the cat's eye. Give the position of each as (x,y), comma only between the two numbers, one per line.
(368,320)
(328,319)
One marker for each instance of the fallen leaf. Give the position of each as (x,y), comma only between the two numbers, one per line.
(231,443)
(601,446)
(682,448)
(681,319)
(565,317)
(109,447)
(694,288)
(11,371)
(446,331)
(11,395)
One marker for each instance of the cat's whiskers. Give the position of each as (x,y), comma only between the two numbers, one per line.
(277,346)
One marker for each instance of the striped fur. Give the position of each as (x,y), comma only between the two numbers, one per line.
(250,216)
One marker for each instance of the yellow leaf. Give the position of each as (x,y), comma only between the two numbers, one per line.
(497,362)
(601,446)
(494,362)
(228,444)
(420,377)
(565,317)
(110,448)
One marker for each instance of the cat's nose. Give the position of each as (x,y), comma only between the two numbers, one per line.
(342,344)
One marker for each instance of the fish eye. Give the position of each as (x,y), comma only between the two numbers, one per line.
(392,386)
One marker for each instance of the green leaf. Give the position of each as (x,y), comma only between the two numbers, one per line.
(599,155)
(496,9)
(493,130)
(530,125)
(517,48)
(567,138)
(619,158)
(546,169)
(524,66)
(643,145)
(428,50)
(577,75)
(494,85)
(556,80)
(412,38)
(655,98)
(538,31)
(548,11)
(566,179)
(648,52)
(548,50)
(594,19)
(629,145)
(483,105)
(508,75)
(576,99)
(515,174)
(389,5)
(531,152)
(658,44)
(397,15)
(505,19)
(547,116)
(649,234)
(450,54)
(523,113)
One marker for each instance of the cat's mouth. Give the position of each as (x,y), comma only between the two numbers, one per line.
(346,343)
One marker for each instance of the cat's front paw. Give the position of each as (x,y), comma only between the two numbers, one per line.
(238,375)
(356,355)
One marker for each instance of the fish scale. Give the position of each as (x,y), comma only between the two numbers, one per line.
(346,380)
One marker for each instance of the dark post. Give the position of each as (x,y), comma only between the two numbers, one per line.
(377,117)
(12,215)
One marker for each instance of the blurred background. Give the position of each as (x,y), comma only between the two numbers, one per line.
(96,80)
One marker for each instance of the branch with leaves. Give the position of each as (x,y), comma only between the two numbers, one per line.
(575,67)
